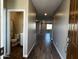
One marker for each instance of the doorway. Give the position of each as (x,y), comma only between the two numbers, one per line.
(49,30)
(15,31)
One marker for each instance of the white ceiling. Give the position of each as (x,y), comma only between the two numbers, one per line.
(46,6)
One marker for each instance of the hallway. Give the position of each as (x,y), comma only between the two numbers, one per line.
(48,31)
(44,49)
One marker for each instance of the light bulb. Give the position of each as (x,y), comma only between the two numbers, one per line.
(45,14)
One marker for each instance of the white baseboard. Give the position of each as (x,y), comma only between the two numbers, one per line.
(26,56)
(31,49)
(58,51)
(1,57)
(6,55)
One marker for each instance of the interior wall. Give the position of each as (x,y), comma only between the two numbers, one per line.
(61,21)
(39,27)
(31,27)
(16,4)
(0,22)
(16,22)
(0,25)
(43,26)
(20,4)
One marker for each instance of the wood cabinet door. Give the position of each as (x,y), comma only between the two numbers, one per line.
(72,49)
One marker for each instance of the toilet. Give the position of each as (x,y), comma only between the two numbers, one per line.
(15,40)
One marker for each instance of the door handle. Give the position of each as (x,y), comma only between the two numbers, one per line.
(1,51)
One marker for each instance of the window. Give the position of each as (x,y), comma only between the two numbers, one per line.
(49,26)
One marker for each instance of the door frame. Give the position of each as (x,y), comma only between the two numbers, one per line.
(8,27)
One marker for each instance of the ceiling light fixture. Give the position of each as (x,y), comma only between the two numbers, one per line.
(45,14)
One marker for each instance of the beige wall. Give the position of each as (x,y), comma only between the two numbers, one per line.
(0,22)
(0,25)
(61,28)
(0,31)
(16,22)
(31,26)
(0,28)
(16,4)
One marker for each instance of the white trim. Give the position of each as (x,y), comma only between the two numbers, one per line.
(18,10)
(1,57)
(1,23)
(25,35)
(58,51)
(4,30)
(25,56)
(1,2)
(30,50)
(8,25)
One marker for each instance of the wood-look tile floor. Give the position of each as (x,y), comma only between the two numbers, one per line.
(16,53)
(44,49)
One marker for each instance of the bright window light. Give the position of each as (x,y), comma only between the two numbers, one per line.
(49,26)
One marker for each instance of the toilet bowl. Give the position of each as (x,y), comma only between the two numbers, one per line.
(15,41)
